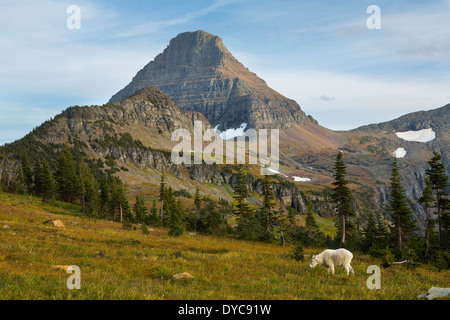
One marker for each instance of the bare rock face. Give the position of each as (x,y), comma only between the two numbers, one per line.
(56,223)
(148,115)
(198,72)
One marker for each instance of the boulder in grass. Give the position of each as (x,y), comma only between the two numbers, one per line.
(56,223)
(184,275)
(435,292)
(60,267)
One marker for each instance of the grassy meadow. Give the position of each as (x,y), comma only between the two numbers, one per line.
(127,264)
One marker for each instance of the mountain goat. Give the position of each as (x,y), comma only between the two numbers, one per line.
(331,258)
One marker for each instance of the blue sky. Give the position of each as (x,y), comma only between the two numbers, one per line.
(319,53)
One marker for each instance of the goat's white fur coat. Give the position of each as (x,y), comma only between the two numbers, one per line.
(331,258)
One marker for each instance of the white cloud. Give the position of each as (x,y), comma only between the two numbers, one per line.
(326,98)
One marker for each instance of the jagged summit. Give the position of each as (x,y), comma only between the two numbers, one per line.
(198,72)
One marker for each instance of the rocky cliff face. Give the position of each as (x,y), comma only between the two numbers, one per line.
(198,72)
(148,115)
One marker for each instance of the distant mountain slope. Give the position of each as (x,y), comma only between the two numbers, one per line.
(438,119)
(198,72)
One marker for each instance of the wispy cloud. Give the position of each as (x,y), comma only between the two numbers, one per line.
(156,26)
(326,98)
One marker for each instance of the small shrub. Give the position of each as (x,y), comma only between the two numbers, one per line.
(144,229)
(126,224)
(298,253)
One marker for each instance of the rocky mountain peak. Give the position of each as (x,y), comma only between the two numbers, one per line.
(197,48)
(198,73)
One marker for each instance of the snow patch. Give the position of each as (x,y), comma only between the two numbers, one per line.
(276,172)
(425,135)
(400,153)
(300,179)
(232,133)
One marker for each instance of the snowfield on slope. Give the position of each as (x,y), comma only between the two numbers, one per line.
(425,135)
(300,179)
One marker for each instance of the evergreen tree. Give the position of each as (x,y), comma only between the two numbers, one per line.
(140,211)
(370,233)
(92,196)
(37,183)
(118,205)
(48,185)
(439,181)
(144,228)
(245,227)
(104,198)
(342,196)
(197,206)
(88,188)
(210,220)
(382,232)
(27,173)
(66,176)
(162,195)
(153,217)
(427,201)
(174,217)
(265,216)
(400,210)
(313,231)
(124,206)
(197,200)
(310,221)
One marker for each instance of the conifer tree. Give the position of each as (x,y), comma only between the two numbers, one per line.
(66,176)
(140,211)
(37,184)
(92,196)
(427,201)
(27,173)
(104,198)
(162,195)
(118,205)
(214,219)
(310,221)
(370,233)
(124,206)
(439,181)
(245,220)
(174,215)
(48,185)
(82,175)
(342,196)
(153,217)
(197,200)
(401,212)
(265,215)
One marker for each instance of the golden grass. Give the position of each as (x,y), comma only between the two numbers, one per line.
(126,264)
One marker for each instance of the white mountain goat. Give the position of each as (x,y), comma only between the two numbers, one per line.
(331,258)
